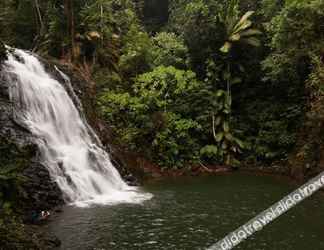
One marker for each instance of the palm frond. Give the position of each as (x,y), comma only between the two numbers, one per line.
(253,41)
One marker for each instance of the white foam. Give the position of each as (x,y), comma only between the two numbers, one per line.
(81,168)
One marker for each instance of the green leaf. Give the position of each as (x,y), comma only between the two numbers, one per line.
(235,37)
(250,32)
(226,75)
(240,143)
(235,162)
(6,205)
(209,150)
(219,136)
(220,93)
(226,126)
(252,41)
(226,111)
(243,26)
(244,20)
(236,80)
(218,120)
(226,47)
(229,137)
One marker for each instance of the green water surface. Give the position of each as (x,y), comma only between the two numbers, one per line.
(193,213)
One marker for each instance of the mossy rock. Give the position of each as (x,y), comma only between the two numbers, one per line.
(13,160)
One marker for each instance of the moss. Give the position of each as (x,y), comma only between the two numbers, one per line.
(14,234)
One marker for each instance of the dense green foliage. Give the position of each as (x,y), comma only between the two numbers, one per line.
(158,113)
(186,82)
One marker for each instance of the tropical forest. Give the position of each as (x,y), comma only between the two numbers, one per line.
(161,124)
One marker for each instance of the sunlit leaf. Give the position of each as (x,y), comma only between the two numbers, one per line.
(226,47)
(235,37)
(244,19)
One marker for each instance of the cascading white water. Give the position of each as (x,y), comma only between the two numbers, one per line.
(80,167)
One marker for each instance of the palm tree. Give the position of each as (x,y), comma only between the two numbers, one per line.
(238,29)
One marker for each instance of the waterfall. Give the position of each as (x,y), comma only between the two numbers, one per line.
(73,156)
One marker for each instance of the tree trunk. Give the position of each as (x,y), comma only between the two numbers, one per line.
(69,13)
(40,25)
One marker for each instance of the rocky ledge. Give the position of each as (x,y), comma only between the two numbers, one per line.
(32,190)
(39,192)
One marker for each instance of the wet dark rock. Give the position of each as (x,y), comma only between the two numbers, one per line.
(40,192)
(43,194)
(38,189)
(3,52)
(131,180)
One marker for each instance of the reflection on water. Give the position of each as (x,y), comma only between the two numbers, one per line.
(194,214)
